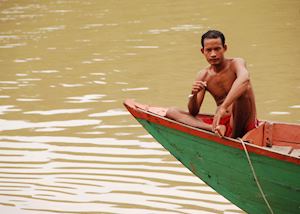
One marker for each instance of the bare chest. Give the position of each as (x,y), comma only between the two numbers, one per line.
(219,84)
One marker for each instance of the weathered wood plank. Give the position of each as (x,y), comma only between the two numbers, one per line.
(282,149)
(295,152)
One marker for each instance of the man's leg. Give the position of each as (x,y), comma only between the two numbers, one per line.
(186,118)
(244,113)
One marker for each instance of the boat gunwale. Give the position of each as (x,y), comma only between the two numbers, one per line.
(141,113)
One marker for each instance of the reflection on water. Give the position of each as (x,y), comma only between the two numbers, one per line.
(39,173)
(67,145)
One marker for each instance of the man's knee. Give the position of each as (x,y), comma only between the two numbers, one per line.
(172,112)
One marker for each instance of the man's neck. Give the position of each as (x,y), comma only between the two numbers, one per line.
(218,68)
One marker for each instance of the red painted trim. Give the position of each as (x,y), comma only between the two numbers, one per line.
(206,135)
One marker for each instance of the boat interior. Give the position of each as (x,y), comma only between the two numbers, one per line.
(281,137)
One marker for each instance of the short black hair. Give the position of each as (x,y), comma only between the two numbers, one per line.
(213,34)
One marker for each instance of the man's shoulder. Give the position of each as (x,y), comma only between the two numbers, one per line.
(238,60)
(237,63)
(202,73)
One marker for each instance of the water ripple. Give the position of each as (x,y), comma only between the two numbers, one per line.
(109,113)
(85,98)
(19,124)
(57,111)
(7,108)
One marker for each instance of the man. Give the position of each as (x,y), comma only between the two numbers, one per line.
(227,80)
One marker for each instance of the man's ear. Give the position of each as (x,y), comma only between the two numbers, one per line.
(225,47)
(202,50)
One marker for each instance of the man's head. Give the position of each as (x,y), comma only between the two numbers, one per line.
(213,47)
(213,34)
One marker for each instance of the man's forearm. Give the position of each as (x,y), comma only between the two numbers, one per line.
(195,102)
(192,105)
(238,88)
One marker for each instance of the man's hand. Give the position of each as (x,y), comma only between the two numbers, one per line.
(196,96)
(216,123)
(198,86)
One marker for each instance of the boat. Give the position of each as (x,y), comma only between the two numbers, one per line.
(260,172)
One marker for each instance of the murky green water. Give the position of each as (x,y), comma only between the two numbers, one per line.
(67,145)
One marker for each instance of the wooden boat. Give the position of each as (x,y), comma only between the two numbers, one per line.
(259,173)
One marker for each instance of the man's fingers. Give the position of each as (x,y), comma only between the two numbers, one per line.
(216,122)
(198,86)
(218,131)
(201,84)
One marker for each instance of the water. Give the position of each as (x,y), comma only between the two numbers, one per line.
(67,145)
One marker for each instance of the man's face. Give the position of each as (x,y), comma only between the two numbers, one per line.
(214,51)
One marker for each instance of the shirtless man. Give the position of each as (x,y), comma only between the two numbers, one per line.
(227,80)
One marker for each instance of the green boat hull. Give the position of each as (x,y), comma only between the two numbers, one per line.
(226,169)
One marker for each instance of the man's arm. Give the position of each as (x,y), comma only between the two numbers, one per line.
(197,94)
(239,86)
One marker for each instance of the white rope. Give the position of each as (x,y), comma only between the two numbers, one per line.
(255,177)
